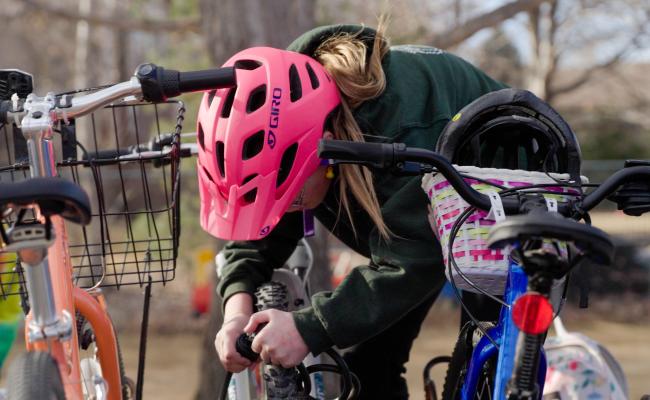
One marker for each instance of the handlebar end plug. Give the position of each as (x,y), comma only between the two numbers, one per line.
(157,83)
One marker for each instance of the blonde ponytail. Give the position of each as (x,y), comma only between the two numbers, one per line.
(359,78)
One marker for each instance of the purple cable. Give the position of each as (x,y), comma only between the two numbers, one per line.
(308,215)
(308,222)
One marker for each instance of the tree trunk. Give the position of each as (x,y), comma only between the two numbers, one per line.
(81,48)
(544,62)
(229,26)
(232,25)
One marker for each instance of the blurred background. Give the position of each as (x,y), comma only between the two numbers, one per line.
(589,58)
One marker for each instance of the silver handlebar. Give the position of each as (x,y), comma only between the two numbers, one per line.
(42,112)
(85,104)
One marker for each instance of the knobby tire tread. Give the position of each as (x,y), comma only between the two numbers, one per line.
(128,386)
(281,383)
(460,359)
(35,376)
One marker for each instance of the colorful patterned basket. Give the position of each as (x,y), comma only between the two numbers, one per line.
(483,267)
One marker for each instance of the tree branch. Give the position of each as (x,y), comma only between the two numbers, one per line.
(126,24)
(641,100)
(458,34)
(587,75)
(552,40)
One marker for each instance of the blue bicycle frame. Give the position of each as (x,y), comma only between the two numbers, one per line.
(505,336)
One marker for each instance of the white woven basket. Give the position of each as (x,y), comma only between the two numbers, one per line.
(483,267)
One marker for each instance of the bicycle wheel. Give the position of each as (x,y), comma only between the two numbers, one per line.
(280,383)
(90,368)
(35,376)
(459,364)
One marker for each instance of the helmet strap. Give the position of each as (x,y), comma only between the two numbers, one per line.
(308,222)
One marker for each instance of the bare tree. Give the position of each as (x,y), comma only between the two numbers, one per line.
(591,36)
(461,32)
(501,59)
(232,25)
(56,9)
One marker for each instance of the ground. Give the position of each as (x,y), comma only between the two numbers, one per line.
(172,368)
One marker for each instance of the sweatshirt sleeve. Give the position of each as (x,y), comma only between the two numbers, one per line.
(251,263)
(401,274)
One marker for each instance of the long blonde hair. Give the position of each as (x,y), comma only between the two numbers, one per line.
(359,78)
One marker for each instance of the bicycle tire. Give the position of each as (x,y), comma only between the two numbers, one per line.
(127,384)
(280,383)
(35,376)
(459,364)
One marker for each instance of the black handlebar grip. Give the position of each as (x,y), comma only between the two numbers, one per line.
(379,155)
(208,79)
(106,154)
(159,84)
(243,347)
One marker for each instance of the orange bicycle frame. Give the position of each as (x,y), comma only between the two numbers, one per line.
(55,296)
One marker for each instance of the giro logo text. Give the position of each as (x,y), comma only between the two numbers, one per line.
(274,119)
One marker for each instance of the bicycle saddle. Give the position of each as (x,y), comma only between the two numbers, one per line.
(595,243)
(54,196)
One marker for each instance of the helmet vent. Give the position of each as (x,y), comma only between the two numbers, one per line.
(211,95)
(247,64)
(253,145)
(256,99)
(286,164)
(201,137)
(250,196)
(208,174)
(220,158)
(227,106)
(312,77)
(294,83)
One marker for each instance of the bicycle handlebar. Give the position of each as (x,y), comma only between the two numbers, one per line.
(150,83)
(243,345)
(153,148)
(394,155)
(159,84)
(391,155)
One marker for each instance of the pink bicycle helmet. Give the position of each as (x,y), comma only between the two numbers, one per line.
(258,141)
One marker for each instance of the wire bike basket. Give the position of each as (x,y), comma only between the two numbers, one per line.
(126,157)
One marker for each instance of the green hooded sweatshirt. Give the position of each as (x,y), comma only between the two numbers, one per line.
(425,87)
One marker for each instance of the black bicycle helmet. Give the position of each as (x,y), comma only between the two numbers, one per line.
(513,129)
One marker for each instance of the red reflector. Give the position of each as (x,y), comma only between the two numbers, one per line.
(532,313)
